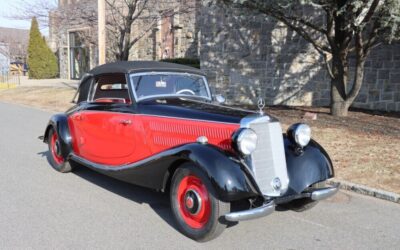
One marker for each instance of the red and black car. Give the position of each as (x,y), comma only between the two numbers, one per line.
(157,125)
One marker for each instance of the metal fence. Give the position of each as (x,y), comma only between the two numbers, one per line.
(9,79)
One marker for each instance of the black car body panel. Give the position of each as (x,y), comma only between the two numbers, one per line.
(312,165)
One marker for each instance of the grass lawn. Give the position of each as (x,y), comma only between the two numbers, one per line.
(47,98)
(7,85)
(364,147)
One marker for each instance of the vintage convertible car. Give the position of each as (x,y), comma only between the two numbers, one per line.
(157,125)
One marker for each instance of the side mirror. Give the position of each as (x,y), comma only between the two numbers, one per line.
(220,99)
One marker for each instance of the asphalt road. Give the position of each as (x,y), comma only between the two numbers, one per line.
(43,209)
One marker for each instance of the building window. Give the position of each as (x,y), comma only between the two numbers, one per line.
(79,58)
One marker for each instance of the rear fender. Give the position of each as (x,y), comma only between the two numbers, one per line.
(59,123)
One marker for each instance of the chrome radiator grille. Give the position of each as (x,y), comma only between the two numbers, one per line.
(268,161)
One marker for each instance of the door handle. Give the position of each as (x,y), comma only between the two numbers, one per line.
(125,122)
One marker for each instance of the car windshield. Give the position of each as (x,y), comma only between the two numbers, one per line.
(169,84)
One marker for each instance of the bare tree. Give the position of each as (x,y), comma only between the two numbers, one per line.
(27,9)
(4,50)
(123,14)
(16,41)
(81,17)
(52,15)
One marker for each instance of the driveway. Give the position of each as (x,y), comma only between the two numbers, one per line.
(42,209)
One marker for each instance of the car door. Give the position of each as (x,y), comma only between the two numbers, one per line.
(104,129)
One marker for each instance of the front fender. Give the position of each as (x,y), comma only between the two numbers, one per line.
(59,123)
(230,177)
(312,166)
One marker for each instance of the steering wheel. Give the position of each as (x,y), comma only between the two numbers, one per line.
(186,90)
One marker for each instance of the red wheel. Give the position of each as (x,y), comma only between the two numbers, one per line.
(199,214)
(194,203)
(55,156)
(55,149)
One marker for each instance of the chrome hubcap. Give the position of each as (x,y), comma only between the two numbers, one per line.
(189,202)
(192,201)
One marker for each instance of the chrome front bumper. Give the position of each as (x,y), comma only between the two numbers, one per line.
(324,193)
(253,213)
(268,208)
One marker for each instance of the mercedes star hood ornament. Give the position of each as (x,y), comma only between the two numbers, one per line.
(261,105)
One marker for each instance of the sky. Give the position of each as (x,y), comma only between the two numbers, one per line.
(6,8)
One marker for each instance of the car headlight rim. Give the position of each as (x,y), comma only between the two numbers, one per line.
(300,133)
(246,141)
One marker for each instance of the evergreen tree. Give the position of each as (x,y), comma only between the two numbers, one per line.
(41,60)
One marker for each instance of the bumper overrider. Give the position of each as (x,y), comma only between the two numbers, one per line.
(269,206)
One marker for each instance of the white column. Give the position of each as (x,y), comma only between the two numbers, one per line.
(102,31)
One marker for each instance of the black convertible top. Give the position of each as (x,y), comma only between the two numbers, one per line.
(143,66)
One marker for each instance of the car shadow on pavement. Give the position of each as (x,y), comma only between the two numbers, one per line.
(158,201)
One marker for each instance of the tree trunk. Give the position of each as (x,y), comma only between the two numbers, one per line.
(339,106)
(341,97)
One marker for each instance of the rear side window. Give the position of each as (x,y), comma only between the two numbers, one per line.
(110,89)
(83,91)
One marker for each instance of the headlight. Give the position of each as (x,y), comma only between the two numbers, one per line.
(300,133)
(246,141)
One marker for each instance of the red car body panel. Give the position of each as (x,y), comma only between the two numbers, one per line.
(115,139)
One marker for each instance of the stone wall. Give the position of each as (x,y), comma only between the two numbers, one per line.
(247,56)
(185,33)
(381,88)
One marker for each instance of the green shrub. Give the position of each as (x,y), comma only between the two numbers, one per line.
(42,62)
(192,62)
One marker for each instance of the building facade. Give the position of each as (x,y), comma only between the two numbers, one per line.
(244,56)
(73,35)
(174,36)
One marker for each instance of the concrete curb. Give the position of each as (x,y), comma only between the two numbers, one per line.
(361,189)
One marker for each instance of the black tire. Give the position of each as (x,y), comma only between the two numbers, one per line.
(54,156)
(215,223)
(304,204)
